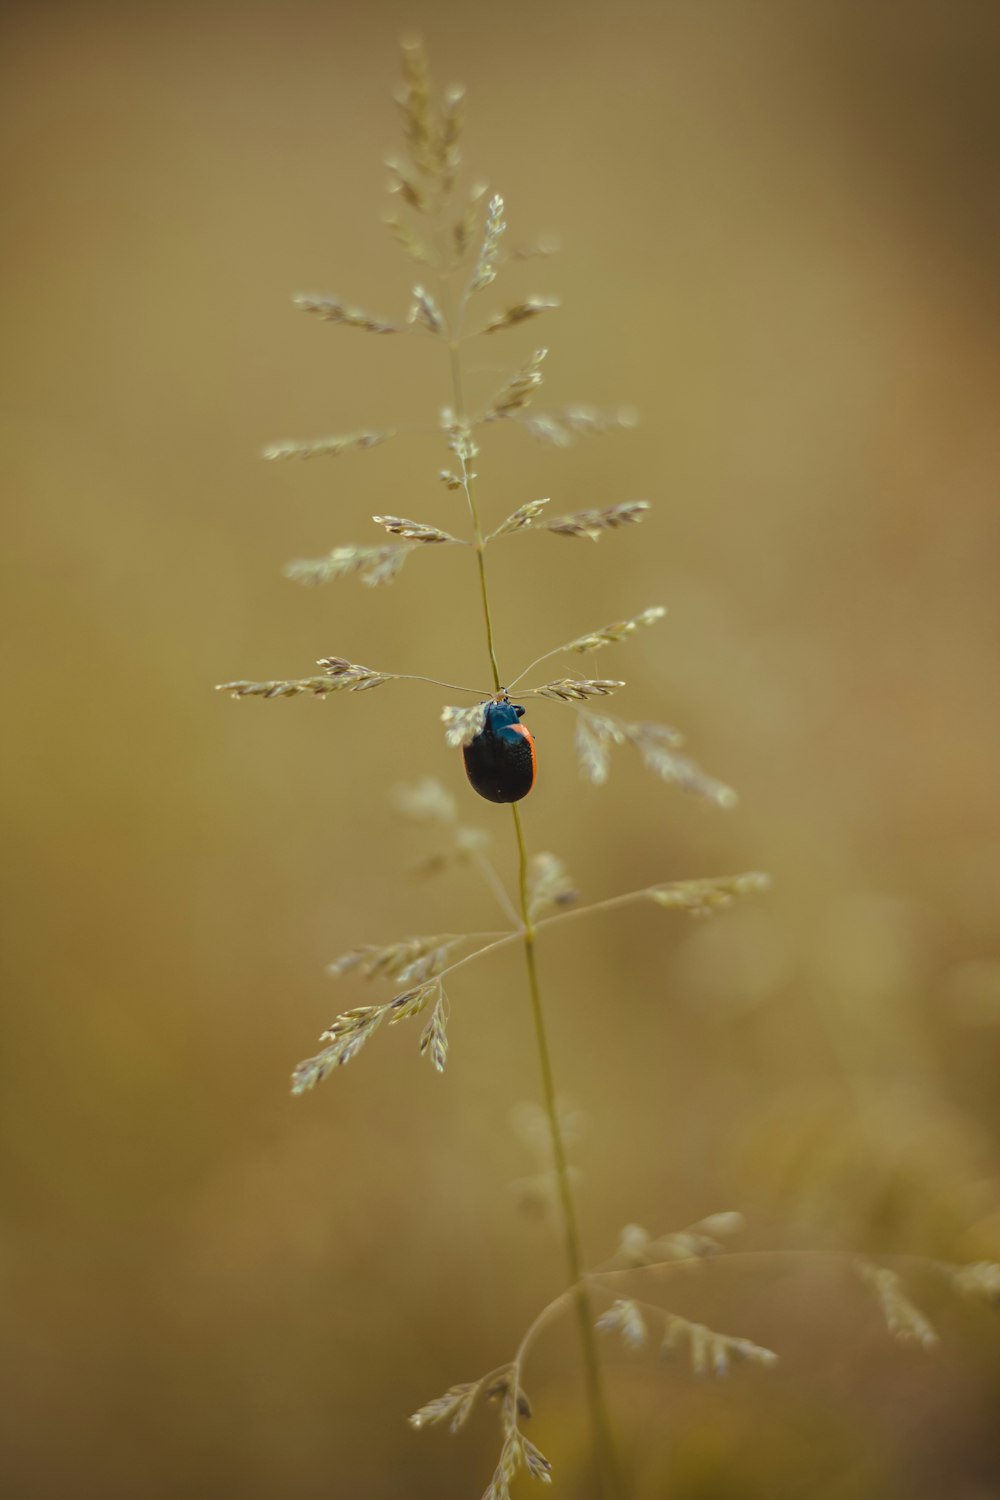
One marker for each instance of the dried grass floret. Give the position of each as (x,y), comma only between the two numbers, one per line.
(405,235)
(326,447)
(535,1462)
(425,311)
(597,733)
(434,1038)
(353,678)
(460,440)
(979,1281)
(453,1407)
(521,519)
(520,313)
(333,310)
(714,893)
(349,1032)
(373,565)
(449,155)
(904,1320)
(463,724)
(485,271)
(349,674)
(347,1035)
(510,1459)
(393,960)
(577,689)
(593,523)
(625,1317)
(618,630)
(549,885)
(464,226)
(712,1353)
(562,428)
(414,100)
(501,1386)
(518,391)
(413,531)
(700,1241)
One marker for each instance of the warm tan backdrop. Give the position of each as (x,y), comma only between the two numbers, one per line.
(780,239)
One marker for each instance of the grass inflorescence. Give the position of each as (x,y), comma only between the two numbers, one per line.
(456,236)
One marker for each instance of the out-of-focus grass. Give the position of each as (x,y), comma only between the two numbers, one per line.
(779,244)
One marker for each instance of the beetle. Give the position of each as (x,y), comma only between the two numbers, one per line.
(500,761)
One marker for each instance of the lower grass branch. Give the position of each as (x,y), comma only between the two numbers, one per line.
(607,1458)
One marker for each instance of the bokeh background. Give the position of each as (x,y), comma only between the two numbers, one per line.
(780,238)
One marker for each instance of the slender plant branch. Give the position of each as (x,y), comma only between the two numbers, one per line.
(597,1400)
(546,656)
(518,935)
(496,885)
(607,1460)
(453,687)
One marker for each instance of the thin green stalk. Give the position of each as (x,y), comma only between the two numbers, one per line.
(607,1459)
(596,1398)
(469,486)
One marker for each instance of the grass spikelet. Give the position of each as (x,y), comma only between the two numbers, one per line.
(593,523)
(434,1039)
(712,1353)
(449,155)
(413,531)
(347,1035)
(390,960)
(715,893)
(521,519)
(453,1407)
(319,687)
(333,310)
(535,1461)
(411,1003)
(518,391)
(618,630)
(592,749)
(904,1320)
(464,226)
(562,428)
(425,311)
(327,447)
(373,565)
(625,1317)
(549,885)
(462,724)
(414,100)
(577,689)
(520,313)
(979,1281)
(485,271)
(348,674)
(637,1247)
(653,743)
(402,182)
(405,235)
(510,1458)
(596,733)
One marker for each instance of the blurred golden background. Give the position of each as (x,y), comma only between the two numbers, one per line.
(780,239)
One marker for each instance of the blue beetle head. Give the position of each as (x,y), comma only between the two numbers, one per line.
(502,715)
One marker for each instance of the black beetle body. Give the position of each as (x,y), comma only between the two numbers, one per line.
(500,761)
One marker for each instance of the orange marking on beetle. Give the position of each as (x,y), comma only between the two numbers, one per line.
(523,729)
